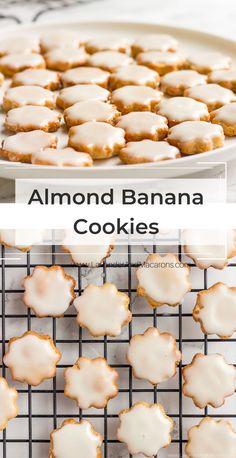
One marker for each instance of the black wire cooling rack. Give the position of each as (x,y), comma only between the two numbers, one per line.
(32,446)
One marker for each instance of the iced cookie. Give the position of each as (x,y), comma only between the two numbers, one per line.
(103,310)
(193,137)
(59,39)
(179,109)
(25,119)
(61,157)
(21,239)
(13,63)
(8,405)
(211,438)
(99,139)
(75,438)
(106,43)
(136,98)
(20,44)
(80,93)
(134,75)
(109,60)
(225,78)
(161,62)
(153,356)
(85,75)
(208,380)
(154,42)
(49,291)
(213,95)
(163,280)
(145,428)
(91,383)
(66,58)
(32,358)
(226,117)
(46,79)
(215,310)
(85,254)
(20,147)
(147,151)
(90,110)
(207,62)
(143,125)
(175,83)
(1,79)
(28,95)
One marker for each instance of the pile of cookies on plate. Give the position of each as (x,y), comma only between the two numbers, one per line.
(145,428)
(142,101)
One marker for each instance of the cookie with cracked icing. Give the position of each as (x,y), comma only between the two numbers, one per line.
(134,75)
(225,78)
(213,95)
(10,238)
(1,79)
(161,62)
(208,380)
(136,98)
(87,254)
(193,137)
(28,95)
(61,157)
(142,125)
(13,63)
(75,438)
(207,62)
(153,356)
(148,151)
(85,75)
(145,428)
(211,438)
(59,39)
(91,383)
(62,59)
(175,83)
(32,358)
(90,110)
(106,43)
(103,310)
(49,291)
(215,310)
(20,44)
(180,109)
(20,147)
(109,60)
(44,78)
(99,139)
(8,403)
(226,117)
(154,42)
(163,280)
(29,117)
(81,92)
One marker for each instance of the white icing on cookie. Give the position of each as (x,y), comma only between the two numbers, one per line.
(32,358)
(211,94)
(226,78)
(87,253)
(90,110)
(103,310)
(65,58)
(1,79)
(148,151)
(8,406)
(91,383)
(21,146)
(208,380)
(59,39)
(153,356)
(106,43)
(64,157)
(20,44)
(209,61)
(159,57)
(136,98)
(145,428)
(137,75)
(143,125)
(182,78)
(22,239)
(81,92)
(31,118)
(179,109)
(155,42)
(85,75)
(190,131)
(13,63)
(226,114)
(109,60)
(37,77)
(28,95)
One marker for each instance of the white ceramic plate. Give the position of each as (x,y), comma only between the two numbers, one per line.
(190,41)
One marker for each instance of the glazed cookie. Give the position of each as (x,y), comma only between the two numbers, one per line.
(161,62)
(226,117)
(48,291)
(75,438)
(136,98)
(106,43)
(153,356)
(28,95)
(32,358)
(85,75)
(90,110)
(175,83)
(193,137)
(145,428)
(103,310)
(66,58)
(147,151)
(91,383)
(80,93)
(8,405)
(13,63)
(25,119)
(99,139)
(59,39)
(21,44)
(179,109)
(208,380)
(163,280)
(154,42)
(1,79)
(211,439)
(143,125)
(89,255)
(46,79)
(61,157)
(134,75)
(21,239)
(20,147)
(207,62)
(215,310)
(109,60)
(225,78)
(213,95)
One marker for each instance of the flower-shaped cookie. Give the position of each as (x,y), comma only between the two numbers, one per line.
(37,77)
(32,358)
(103,310)
(206,62)
(91,383)
(145,428)
(61,157)
(89,255)
(109,60)
(28,95)
(175,83)
(208,380)
(85,75)
(226,117)
(225,78)
(59,39)
(18,62)
(24,43)
(22,239)
(106,43)
(136,98)
(21,146)
(81,92)
(8,406)
(154,42)
(133,75)
(30,117)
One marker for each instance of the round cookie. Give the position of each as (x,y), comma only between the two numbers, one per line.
(175,83)
(59,39)
(1,79)
(106,43)
(20,147)
(193,137)
(85,75)
(226,117)
(62,157)
(85,254)
(207,62)
(20,44)
(161,62)
(66,58)
(90,110)
(213,95)
(134,75)
(225,78)
(81,92)
(148,151)
(25,119)
(8,405)
(136,98)
(154,42)
(37,77)
(21,239)
(179,109)
(143,125)
(109,60)
(13,63)
(28,95)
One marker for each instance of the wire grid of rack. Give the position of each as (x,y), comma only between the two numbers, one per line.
(15,444)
